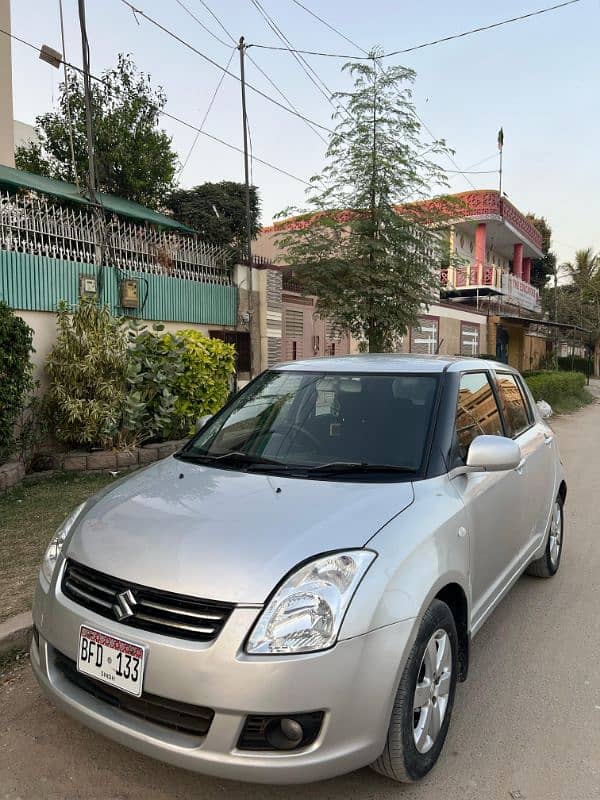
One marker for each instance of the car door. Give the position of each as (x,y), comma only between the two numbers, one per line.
(536,441)
(493,500)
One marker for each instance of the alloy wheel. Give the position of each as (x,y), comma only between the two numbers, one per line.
(432,691)
(556,534)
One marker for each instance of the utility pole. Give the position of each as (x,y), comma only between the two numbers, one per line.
(500,148)
(85,47)
(242,49)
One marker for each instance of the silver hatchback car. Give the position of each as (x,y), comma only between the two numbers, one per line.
(293,594)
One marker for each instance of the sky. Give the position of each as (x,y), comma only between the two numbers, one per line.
(538,79)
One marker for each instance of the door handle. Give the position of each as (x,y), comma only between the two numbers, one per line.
(520,468)
(548,438)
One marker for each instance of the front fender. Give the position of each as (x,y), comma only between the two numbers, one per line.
(420,551)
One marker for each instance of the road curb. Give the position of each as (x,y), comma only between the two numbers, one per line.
(15,632)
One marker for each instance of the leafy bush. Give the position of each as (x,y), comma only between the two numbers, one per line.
(203,386)
(87,368)
(556,387)
(156,363)
(16,345)
(577,364)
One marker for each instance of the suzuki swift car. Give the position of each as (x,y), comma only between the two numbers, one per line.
(293,594)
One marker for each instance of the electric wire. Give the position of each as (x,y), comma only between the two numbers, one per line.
(378,65)
(304,64)
(68,99)
(205,117)
(210,60)
(170,116)
(421,46)
(249,57)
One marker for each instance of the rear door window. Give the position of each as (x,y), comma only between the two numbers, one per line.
(516,411)
(477,411)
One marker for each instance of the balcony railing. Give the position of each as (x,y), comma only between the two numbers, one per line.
(39,226)
(484,276)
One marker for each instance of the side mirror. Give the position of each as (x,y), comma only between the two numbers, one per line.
(202,421)
(544,408)
(490,454)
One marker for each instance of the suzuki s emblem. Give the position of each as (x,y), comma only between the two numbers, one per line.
(125,605)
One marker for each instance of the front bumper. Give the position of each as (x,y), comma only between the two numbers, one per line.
(353,683)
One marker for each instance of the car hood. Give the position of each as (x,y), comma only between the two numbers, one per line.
(225,535)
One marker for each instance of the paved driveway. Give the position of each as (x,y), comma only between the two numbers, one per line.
(527,722)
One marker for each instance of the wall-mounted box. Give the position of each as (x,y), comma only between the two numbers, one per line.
(130,295)
(88,286)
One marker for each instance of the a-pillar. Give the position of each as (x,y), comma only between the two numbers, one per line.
(480,248)
(518,261)
(527,270)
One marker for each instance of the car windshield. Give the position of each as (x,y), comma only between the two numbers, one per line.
(322,423)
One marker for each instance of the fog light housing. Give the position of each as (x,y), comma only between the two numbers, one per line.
(283,732)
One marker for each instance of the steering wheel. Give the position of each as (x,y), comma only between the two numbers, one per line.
(307,435)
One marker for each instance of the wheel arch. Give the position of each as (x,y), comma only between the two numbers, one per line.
(453,595)
(562,491)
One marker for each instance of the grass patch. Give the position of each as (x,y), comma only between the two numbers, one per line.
(29,515)
(573,402)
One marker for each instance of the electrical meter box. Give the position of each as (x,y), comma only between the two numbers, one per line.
(88,286)
(130,295)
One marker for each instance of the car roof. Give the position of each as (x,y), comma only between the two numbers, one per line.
(391,362)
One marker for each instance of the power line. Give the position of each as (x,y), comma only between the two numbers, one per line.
(432,43)
(376,65)
(168,115)
(483,28)
(249,57)
(205,117)
(199,21)
(202,55)
(304,64)
(329,25)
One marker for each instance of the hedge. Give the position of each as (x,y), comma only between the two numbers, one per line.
(576,364)
(555,386)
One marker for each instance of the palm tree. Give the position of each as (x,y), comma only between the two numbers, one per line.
(585,268)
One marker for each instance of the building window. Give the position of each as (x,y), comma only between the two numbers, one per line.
(469,339)
(424,336)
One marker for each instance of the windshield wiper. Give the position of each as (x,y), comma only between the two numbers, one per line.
(357,467)
(234,457)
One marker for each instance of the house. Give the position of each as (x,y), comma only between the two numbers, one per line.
(141,263)
(486,303)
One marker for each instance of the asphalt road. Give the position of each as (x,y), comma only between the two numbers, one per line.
(526,724)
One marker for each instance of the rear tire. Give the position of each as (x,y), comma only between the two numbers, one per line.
(424,700)
(548,564)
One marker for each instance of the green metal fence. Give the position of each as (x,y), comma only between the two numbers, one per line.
(38,283)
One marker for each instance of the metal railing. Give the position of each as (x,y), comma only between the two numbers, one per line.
(40,226)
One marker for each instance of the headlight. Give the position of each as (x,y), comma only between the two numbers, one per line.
(56,544)
(306,611)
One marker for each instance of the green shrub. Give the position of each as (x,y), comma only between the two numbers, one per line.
(577,364)
(87,369)
(16,346)
(203,386)
(156,363)
(556,387)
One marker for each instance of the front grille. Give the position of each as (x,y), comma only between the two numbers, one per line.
(142,607)
(181,717)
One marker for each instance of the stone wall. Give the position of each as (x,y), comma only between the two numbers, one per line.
(13,472)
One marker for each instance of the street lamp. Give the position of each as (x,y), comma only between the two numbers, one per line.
(51,56)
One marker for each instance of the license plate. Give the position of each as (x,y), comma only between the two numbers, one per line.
(117,662)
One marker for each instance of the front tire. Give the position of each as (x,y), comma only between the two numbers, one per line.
(424,700)
(548,564)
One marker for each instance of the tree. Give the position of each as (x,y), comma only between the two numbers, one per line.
(542,268)
(371,267)
(16,346)
(134,158)
(218,212)
(584,269)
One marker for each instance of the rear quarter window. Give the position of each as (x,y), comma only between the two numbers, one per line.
(516,409)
